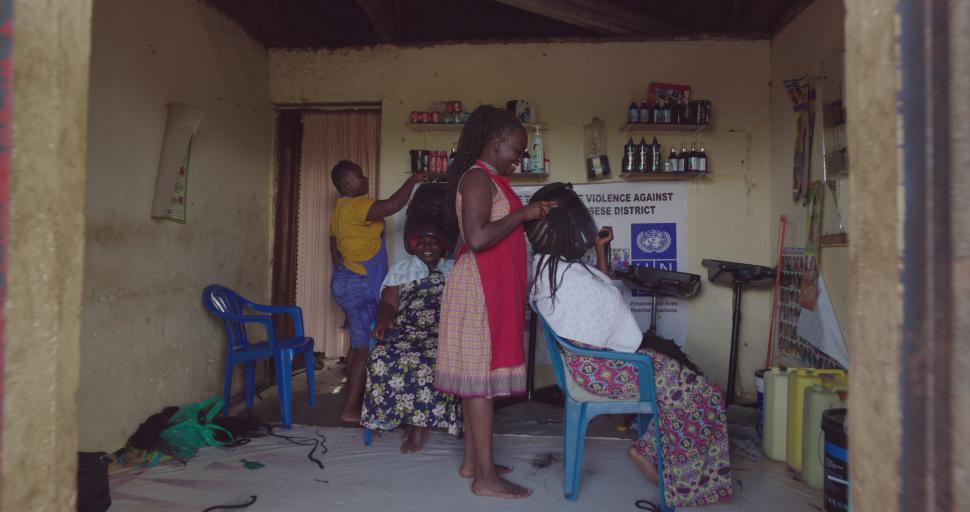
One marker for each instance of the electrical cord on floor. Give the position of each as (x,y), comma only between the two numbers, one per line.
(317,444)
(647,505)
(252,499)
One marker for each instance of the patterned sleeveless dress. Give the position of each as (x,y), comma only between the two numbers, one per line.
(464,366)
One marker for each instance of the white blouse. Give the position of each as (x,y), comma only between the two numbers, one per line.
(588,307)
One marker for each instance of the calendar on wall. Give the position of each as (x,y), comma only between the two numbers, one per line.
(799,273)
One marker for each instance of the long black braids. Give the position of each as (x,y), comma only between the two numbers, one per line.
(565,235)
(485,123)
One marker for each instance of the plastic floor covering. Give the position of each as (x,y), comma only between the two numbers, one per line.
(358,478)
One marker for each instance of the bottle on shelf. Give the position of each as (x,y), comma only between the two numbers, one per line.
(693,157)
(658,111)
(538,156)
(644,111)
(671,161)
(655,157)
(701,160)
(629,156)
(451,156)
(526,162)
(644,154)
(633,113)
(684,159)
(668,111)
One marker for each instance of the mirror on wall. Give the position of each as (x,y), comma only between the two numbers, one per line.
(835,161)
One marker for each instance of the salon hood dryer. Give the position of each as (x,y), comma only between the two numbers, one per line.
(737,276)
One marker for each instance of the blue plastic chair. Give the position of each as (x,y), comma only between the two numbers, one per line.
(235,312)
(582,406)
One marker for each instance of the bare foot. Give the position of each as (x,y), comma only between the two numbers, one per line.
(408,445)
(469,471)
(418,437)
(644,465)
(347,417)
(499,488)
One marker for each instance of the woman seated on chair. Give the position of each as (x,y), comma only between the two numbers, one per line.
(581,304)
(400,371)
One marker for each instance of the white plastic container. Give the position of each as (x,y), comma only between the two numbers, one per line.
(774,441)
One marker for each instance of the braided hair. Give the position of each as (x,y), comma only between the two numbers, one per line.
(565,234)
(486,123)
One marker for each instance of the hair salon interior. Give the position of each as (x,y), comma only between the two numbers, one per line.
(471,255)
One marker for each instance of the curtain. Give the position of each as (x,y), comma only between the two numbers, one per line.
(328,137)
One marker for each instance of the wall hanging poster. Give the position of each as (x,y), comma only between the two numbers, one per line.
(649,221)
(802,94)
(804,337)
(171,182)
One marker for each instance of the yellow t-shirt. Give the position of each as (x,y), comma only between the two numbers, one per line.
(358,239)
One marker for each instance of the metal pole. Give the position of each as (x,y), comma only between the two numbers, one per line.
(735,335)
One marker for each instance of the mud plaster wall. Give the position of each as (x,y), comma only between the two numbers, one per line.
(42,309)
(146,340)
(798,51)
(874,253)
(570,83)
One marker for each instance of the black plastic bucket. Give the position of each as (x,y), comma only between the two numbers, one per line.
(836,486)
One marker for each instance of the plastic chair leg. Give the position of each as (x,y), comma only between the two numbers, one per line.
(284,374)
(250,371)
(642,421)
(308,361)
(368,436)
(573,448)
(227,389)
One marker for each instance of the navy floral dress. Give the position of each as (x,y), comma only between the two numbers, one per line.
(400,371)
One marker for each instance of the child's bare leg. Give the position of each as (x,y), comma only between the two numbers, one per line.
(356,378)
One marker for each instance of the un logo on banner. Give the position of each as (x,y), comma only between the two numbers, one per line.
(654,245)
(654,241)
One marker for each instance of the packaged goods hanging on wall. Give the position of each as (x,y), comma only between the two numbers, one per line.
(171,182)
(594,148)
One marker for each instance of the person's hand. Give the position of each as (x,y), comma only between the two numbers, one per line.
(420,177)
(602,240)
(379,329)
(538,209)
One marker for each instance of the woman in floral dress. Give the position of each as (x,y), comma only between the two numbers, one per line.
(400,371)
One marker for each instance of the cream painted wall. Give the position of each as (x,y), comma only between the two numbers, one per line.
(570,83)
(146,340)
(797,51)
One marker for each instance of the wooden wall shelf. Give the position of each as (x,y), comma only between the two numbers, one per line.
(663,176)
(663,127)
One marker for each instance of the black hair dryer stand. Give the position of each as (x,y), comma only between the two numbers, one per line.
(660,282)
(737,276)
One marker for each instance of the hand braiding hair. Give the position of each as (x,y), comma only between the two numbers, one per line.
(486,123)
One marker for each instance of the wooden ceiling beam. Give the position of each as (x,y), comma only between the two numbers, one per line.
(600,16)
(381,19)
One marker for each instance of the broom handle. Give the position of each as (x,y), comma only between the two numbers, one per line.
(776,290)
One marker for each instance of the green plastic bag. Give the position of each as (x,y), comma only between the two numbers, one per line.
(191,428)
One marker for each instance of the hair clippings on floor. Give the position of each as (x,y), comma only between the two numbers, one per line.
(252,499)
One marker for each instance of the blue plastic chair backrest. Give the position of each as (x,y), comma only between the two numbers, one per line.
(553,341)
(223,302)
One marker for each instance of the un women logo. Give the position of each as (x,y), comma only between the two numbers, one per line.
(654,241)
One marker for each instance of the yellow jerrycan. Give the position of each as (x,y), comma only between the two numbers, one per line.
(798,381)
(818,399)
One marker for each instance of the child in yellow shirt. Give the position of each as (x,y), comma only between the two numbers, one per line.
(360,264)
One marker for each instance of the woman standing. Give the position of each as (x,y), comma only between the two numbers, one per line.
(480,353)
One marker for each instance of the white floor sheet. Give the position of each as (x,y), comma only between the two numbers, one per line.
(379,478)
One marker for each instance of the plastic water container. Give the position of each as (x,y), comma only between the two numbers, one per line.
(818,399)
(759,385)
(774,441)
(836,493)
(798,381)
